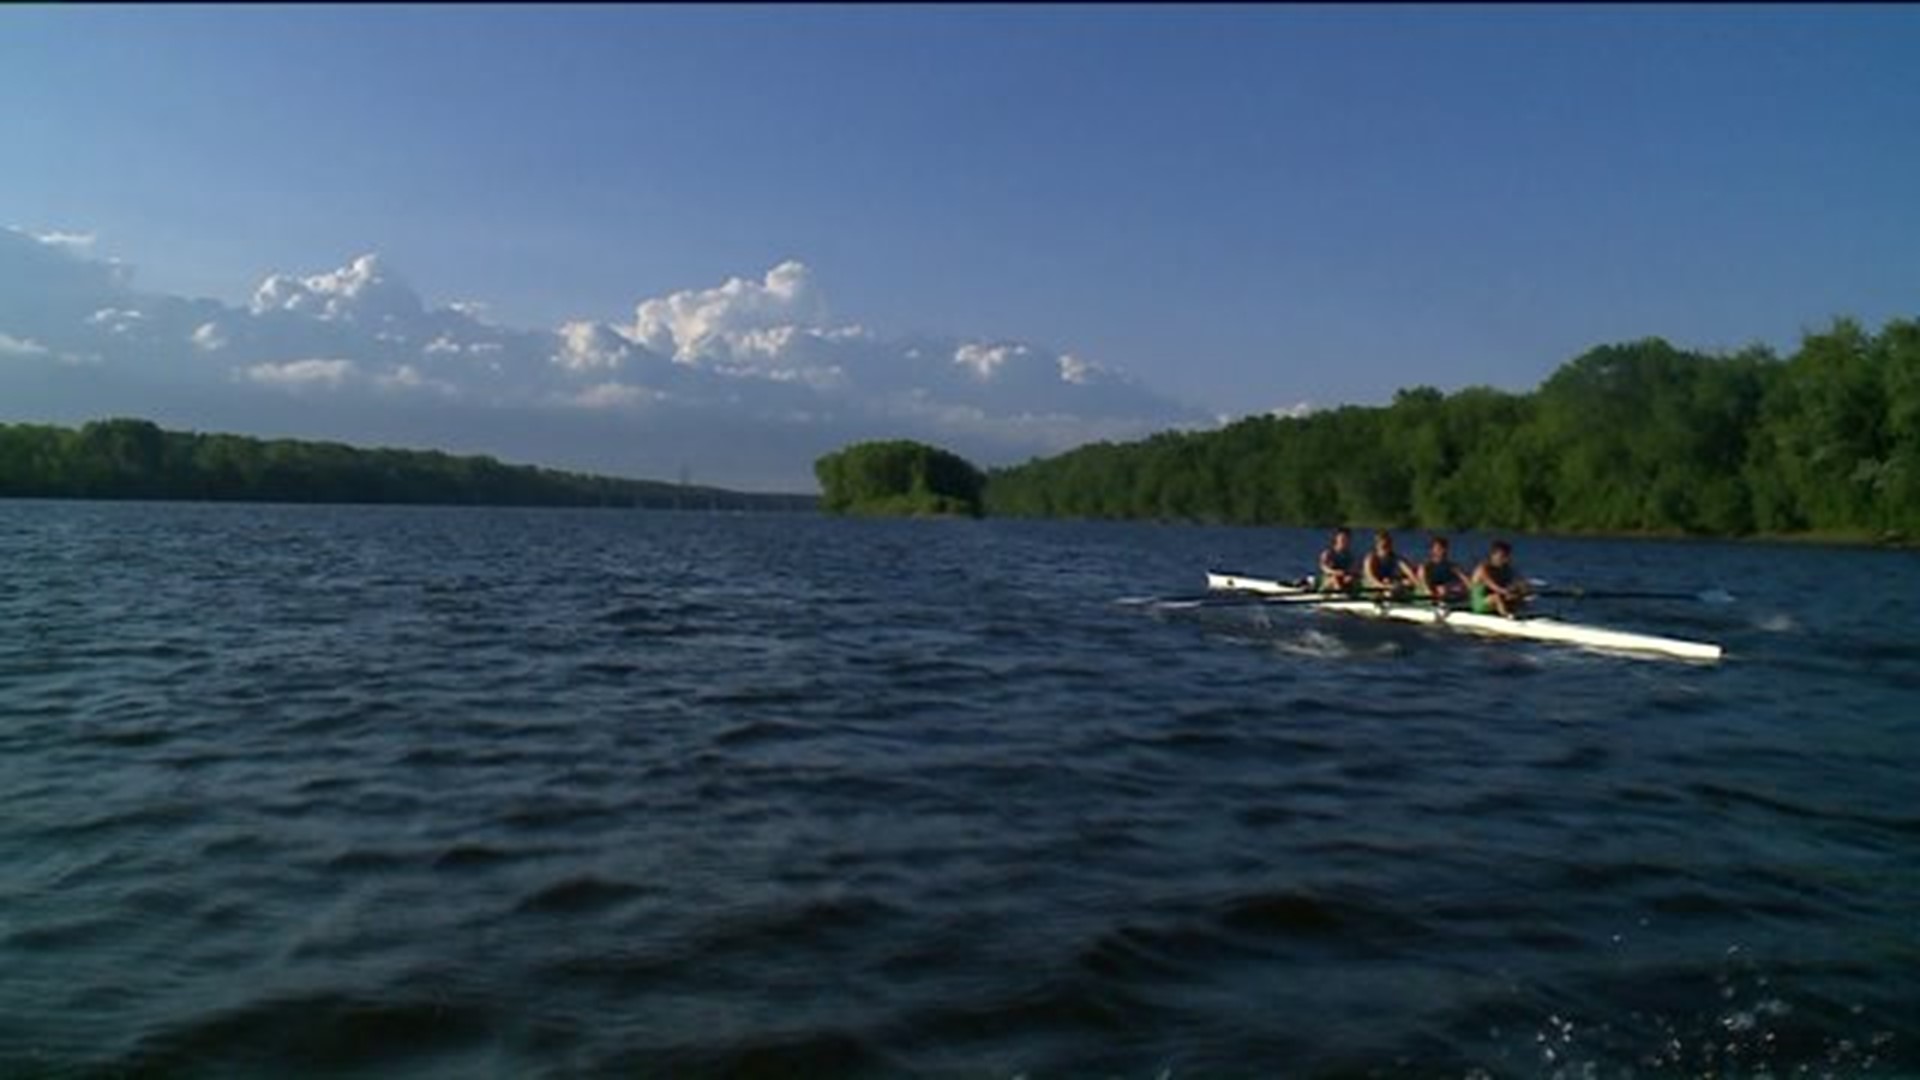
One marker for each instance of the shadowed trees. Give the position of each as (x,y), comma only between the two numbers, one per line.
(135,459)
(898,477)
(1633,437)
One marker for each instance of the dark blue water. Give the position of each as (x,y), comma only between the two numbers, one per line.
(444,792)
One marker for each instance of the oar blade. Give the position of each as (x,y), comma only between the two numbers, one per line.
(1708,596)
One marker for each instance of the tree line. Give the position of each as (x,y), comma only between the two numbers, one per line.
(898,477)
(136,459)
(1636,437)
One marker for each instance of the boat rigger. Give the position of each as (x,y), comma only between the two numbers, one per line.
(1527,627)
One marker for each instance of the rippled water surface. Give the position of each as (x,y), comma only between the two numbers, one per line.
(458,792)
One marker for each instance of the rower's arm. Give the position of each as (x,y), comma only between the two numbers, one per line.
(1481,577)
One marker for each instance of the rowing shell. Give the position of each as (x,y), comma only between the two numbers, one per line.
(1531,627)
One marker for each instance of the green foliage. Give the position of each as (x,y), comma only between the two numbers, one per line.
(135,459)
(898,478)
(1633,437)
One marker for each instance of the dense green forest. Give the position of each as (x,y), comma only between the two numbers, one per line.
(898,477)
(135,459)
(1639,437)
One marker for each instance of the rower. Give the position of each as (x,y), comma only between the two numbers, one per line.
(1439,579)
(1336,563)
(1497,587)
(1382,571)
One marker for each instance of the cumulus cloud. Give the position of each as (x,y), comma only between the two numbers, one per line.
(752,372)
(723,322)
(71,240)
(50,284)
(299,374)
(406,377)
(361,291)
(26,347)
(1079,372)
(116,320)
(207,336)
(985,361)
(591,346)
(613,395)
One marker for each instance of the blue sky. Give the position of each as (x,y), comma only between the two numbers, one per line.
(1241,208)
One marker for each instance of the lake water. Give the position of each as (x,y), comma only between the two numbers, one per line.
(469,792)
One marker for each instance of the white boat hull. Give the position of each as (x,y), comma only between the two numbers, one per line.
(1530,627)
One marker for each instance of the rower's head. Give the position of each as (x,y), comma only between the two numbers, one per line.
(1499,553)
(1383,541)
(1342,536)
(1437,547)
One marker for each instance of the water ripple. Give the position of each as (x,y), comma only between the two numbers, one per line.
(448,792)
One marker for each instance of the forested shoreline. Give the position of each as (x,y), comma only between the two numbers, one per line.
(136,459)
(1633,438)
(898,478)
(1637,438)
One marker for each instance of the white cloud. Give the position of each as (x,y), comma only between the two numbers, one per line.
(446,345)
(1079,372)
(72,241)
(27,347)
(769,344)
(361,291)
(1291,412)
(592,346)
(116,320)
(701,323)
(1039,432)
(985,361)
(820,377)
(750,372)
(613,395)
(207,337)
(296,374)
(408,377)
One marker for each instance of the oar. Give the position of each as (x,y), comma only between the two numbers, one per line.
(1213,599)
(1708,596)
(1229,598)
(1210,598)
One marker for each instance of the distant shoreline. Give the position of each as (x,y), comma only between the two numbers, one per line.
(795,500)
(125,458)
(1836,539)
(807,504)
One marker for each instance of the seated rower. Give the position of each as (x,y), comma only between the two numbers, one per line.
(1336,564)
(1439,579)
(1497,586)
(1383,572)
